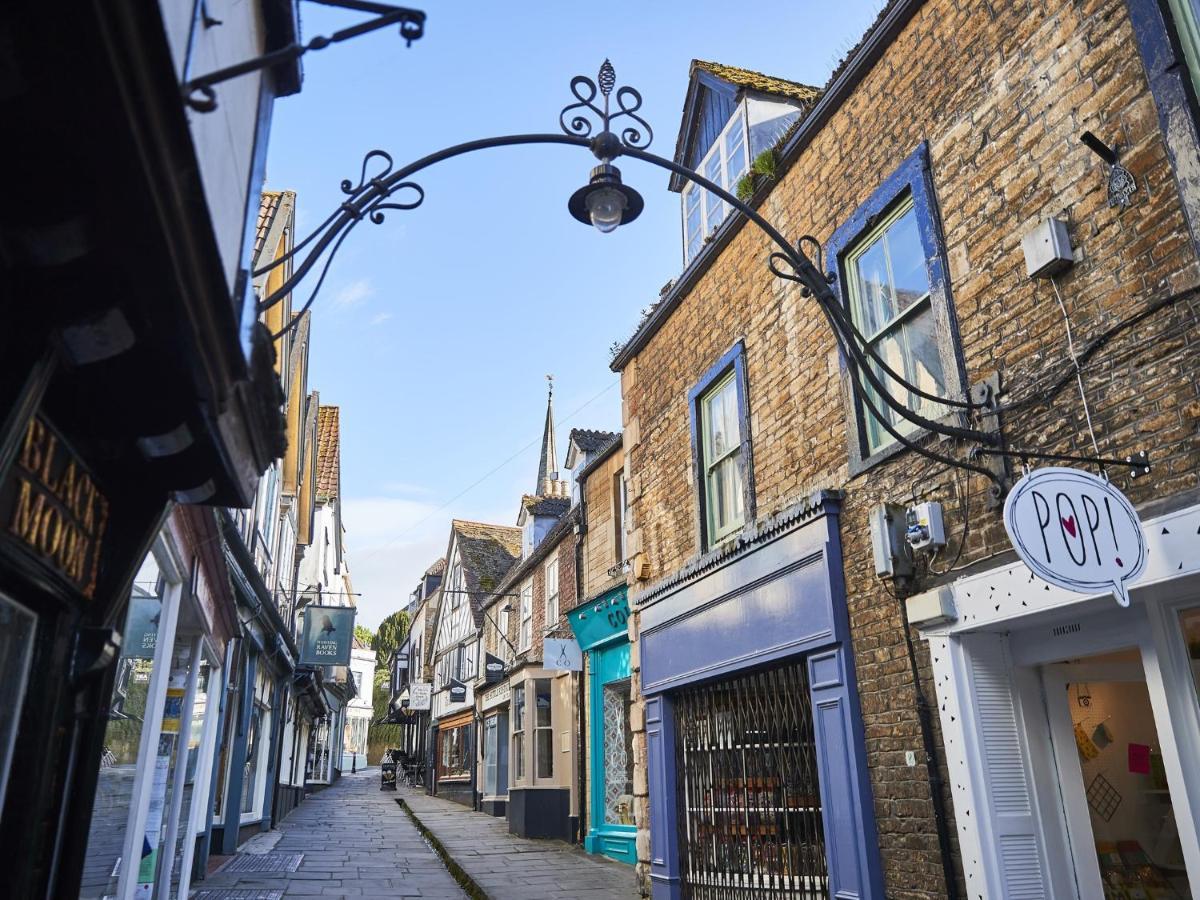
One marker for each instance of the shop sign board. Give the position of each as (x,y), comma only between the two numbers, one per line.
(420,693)
(562,653)
(1076,531)
(493,669)
(51,505)
(141,628)
(328,635)
(458,691)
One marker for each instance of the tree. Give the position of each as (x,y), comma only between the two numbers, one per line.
(391,634)
(364,635)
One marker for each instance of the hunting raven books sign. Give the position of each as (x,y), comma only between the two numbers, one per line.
(328,635)
(51,506)
(1076,531)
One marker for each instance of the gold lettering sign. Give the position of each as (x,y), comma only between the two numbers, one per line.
(51,505)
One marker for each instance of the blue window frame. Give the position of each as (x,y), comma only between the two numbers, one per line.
(721,452)
(891,262)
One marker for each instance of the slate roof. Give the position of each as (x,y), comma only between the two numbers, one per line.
(328,452)
(487,552)
(590,441)
(757,81)
(267,207)
(545,506)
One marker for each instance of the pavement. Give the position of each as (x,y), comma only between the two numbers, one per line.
(354,840)
(507,867)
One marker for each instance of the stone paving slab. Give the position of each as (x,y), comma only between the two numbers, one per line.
(507,867)
(355,841)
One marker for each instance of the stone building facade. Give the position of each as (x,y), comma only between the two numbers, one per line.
(978,112)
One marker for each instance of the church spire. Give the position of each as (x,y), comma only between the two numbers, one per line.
(547,482)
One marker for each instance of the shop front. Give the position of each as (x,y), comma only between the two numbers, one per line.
(454,751)
(542,793)
(1076,725)
(601,628)
(756,761)
(152,789)
(493,748)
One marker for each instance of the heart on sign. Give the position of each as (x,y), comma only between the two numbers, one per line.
(1069,524)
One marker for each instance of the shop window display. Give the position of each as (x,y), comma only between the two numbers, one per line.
(1129,802)
(123,736)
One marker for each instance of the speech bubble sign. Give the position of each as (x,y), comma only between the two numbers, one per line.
(1075,530)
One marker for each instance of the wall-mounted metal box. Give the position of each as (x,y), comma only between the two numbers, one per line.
(1047,249)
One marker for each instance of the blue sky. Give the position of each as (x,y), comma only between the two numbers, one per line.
(435,330)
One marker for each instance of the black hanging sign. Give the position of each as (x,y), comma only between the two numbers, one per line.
(493,669)
(458,691)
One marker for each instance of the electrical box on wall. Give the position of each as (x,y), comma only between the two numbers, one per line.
(892,559)
(1047,249)
(923,526)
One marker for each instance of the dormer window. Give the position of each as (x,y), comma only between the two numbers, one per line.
(725,163)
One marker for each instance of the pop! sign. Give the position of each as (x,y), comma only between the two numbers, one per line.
(1076,531)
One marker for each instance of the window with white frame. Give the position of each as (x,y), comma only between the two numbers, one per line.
(525,641)
(619,500)
(721,458)
(725,163)
(888,285)
(502,647)
(552,593)
(517,753)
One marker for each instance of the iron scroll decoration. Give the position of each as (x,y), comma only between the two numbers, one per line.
(870,375)
(629,101)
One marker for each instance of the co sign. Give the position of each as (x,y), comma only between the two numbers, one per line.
(1076,531)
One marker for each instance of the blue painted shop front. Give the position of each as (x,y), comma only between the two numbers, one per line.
(601,627)
(756,757)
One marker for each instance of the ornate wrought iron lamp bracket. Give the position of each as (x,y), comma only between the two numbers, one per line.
(199,94)
(588,123)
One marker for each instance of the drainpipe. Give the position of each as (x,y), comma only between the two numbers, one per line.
(936,785)
(580,709)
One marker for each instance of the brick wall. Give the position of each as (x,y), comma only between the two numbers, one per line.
(1001,92)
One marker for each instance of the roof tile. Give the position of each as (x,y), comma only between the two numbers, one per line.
(328,452)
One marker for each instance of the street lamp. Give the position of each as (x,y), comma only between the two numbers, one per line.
(604,201)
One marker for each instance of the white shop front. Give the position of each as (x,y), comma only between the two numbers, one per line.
(1072,726)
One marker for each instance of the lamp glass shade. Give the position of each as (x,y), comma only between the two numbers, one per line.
(606,207)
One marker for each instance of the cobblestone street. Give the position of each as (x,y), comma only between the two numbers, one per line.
(353,840)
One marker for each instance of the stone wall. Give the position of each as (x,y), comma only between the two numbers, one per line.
(599,543)
(1001,93)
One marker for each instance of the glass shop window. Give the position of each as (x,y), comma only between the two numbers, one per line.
(103,861)
(543,737)
(491,761)
(452,760)
(518,734)
(888,287)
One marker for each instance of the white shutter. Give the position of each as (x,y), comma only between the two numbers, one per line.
(1007,817)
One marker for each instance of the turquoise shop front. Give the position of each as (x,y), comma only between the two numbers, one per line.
(600,626)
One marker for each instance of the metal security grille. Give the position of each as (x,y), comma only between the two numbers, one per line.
(749,805)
